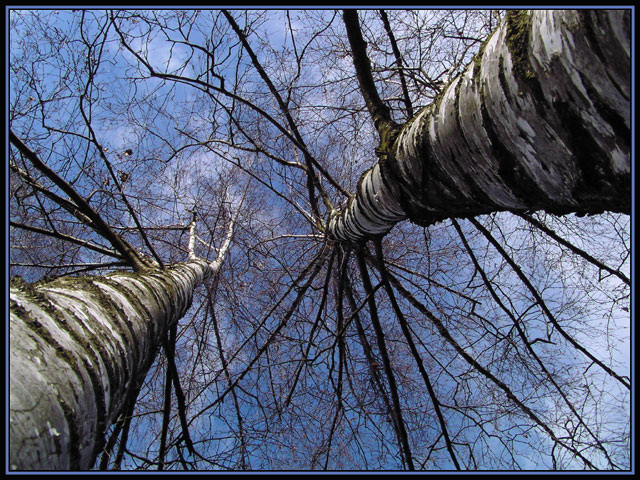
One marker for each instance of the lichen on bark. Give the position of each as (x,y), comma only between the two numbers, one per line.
(518,38)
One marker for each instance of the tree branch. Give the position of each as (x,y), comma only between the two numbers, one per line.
(414,350)
(403,438)
(398,56)
(380,113)
(543,305)
(97,223)
(573,248)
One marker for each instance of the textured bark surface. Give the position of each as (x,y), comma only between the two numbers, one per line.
(78,347)
(541,120)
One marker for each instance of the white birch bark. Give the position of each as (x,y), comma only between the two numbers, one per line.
(78,347)
(539,121)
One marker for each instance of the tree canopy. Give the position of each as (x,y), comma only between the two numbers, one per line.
(355,324)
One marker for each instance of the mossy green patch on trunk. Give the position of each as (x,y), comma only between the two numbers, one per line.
(518,39)
(388,136)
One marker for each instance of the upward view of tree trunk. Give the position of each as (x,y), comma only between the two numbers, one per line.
(422,221)
(80,348)
(524,127)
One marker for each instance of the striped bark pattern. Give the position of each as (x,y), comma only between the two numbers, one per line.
(78,347)
(540,120)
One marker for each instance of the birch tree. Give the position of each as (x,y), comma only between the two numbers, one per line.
(429,270)
(81,346)
(522,128)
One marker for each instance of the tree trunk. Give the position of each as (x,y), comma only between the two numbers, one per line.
(79,347)
(540,120)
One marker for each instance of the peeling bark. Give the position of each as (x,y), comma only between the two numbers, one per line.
(540,120)
(78,346)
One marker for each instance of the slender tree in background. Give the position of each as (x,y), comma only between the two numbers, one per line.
(422,221)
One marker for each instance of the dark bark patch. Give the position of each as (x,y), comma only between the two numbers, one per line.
(590,159)
(587,23)
(509,168)
(617,123)
(74,435)
(479,195)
